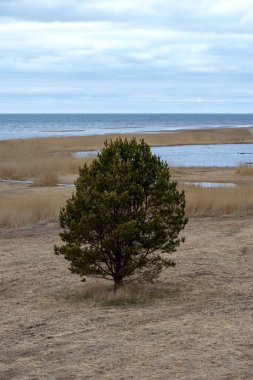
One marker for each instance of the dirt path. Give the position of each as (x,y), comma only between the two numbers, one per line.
(202,331)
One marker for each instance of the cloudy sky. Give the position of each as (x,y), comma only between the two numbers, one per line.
(126,56)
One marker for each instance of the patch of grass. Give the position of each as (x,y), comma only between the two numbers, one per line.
(47,179)
(31,206)
(124,302)
(39,203)
(102,293)
(244,170)
(32,158)
(39,167)
(205,136)
(218,201)
(36,147)
(140,299)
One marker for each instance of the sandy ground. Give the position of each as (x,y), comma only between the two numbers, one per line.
(203,330)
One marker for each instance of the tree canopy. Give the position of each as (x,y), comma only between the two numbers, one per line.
(125,216)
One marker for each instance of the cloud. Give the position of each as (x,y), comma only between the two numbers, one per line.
(181,14)
(92,54)
(232,6)
(87,46)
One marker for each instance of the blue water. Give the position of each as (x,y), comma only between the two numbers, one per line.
(14,126)
(213,155)
(218,155)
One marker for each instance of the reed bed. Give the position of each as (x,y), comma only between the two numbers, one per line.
(31,207)
(33,158)
(47,179)
(44,160)
(40,167)
(42,147)
(218,201)
(244,170)
(37,204)
(26,148)
(205,136)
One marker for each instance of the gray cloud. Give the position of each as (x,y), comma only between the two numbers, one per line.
(183,14)
(125,55)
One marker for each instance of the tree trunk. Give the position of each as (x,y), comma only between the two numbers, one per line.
(118,279)
(118,282)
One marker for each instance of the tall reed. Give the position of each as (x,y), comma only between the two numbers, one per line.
(30,207)
(26,148)
(41,203)
(244,170)
(218,201)
(38,167)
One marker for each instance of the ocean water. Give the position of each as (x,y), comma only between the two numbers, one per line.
(13,126)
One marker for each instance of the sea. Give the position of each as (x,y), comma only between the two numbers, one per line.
(13,126)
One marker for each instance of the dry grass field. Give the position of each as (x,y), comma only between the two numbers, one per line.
(48,161)
(39,167)
(244,170)
(196,323)
(35,158)
(22,204)
(35,146)
(218,201)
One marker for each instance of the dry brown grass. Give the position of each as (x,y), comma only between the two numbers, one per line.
(244,170)
(204,174)
(45,160)
(32,158)
(31,206)
(42,147)
(133,293)
(201,330)
(39,167)
(47,179)
(205,136)
(26,148)
(35,204)
(218,201)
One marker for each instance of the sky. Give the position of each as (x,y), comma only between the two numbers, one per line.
(97,56)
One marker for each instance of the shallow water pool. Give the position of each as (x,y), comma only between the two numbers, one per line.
(213,155)
(212,184)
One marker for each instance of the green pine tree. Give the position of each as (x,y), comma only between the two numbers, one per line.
(124,217)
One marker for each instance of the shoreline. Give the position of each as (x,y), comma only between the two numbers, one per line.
(37,125)
(155,139)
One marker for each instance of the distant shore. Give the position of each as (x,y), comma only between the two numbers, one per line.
(14,126)
(37,157)
(181,137)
